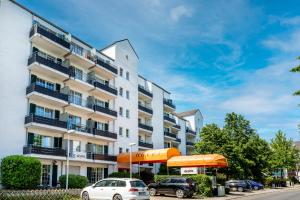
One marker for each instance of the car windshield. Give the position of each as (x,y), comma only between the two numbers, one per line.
(138,184)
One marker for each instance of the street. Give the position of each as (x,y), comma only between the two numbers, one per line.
(283,195)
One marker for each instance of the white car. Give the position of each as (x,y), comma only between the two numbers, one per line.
(116,189)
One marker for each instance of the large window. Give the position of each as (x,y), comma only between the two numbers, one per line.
(100,126)
(96,174)
(42,141)
(45,84)
(44,112)
(77,49)
(95,148)
(78,74)
(74,121)
(46,174)
(99,103)
(75,97)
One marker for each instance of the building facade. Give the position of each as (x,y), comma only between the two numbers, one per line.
(61,96)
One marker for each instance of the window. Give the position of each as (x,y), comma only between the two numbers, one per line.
(121,184)
(46,172)
(74,122)
(127,94)
(127,113)
(75,97)
(127,75)
(137,184)
(140,138)
(99,103)
(127,132)
(76,49)
(121,91)
(127,150)
(45,84)
(121,71)
(96,174)
(120,131)
(42,141)
(121,111)
(44,112)
(100,126)
(120,150)
(96,148)
(78,74)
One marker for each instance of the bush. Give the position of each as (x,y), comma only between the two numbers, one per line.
(221,179)
(20,172)
(203,183)
(122,175)
(75,181)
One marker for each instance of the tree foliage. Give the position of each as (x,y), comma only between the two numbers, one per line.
(295,70)
(246,152)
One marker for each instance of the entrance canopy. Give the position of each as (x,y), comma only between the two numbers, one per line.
(208,160)
(148,156)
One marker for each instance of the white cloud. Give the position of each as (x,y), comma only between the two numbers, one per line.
(286,21)
(180,11)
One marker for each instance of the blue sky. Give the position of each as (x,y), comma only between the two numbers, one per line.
(219,56)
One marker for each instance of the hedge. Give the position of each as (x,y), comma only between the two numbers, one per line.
(203,182)
(75,181)
(20,172)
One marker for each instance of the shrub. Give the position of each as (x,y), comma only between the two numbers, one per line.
(122,175)
(20,172)
(203,182)
(75,181)
(221,179)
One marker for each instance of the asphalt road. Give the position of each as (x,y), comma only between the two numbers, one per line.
(283,195)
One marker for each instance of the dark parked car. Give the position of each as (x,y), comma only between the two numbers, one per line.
(255,185)
(181,187)
(239,185)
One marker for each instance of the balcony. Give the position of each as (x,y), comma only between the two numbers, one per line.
(145,111)
(105,134)
(169,105)
(146,145)
(80,81)
(44,151)
(80,56)
(190,144)
(176,127)
(45,123)
(49,40)
(78,105)
(172,136)
(104,68)
(145,94)
(104,113)
(103,90)
(102,157)
(41,64)
(169,120)
(145,128)
(190,132)
(40,93)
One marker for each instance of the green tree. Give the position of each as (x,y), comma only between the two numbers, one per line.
(284,153)
(295,70)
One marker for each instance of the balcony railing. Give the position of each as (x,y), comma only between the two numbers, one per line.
(144,144)
(190,143)
(105,110)
(36,57)
(145,126)
(80,128)
(44,120)
(105,87)
(146,109)
(169,103)
(170,119)
(145,91)
(105,157)
(55,37)
(105,133)
(177,126)
(44,151)
(190,131)
(106,65)
(34,87)
(172,135)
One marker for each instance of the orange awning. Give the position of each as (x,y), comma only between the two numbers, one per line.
(148,156)
(208,160)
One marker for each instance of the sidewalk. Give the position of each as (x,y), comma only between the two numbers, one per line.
(239,195)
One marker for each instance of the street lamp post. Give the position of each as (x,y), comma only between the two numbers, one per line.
(68,154)
(130,158)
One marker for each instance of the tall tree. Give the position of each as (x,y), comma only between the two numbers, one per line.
(295,70)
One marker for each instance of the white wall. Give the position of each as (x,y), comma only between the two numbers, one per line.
(15,25)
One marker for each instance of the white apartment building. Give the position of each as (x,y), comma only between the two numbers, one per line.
(57,88)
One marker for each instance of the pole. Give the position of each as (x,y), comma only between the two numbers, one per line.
(130,164)
(67,174)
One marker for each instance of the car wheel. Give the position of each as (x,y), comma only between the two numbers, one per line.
(117,197)
(240,189)
(85,196)
(179,193)
(152,191)
(255,188)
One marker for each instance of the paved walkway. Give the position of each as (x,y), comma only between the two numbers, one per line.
(235,195)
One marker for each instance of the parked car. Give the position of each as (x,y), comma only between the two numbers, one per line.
(255,185)
(239,185)
(116,189)
(181,187)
